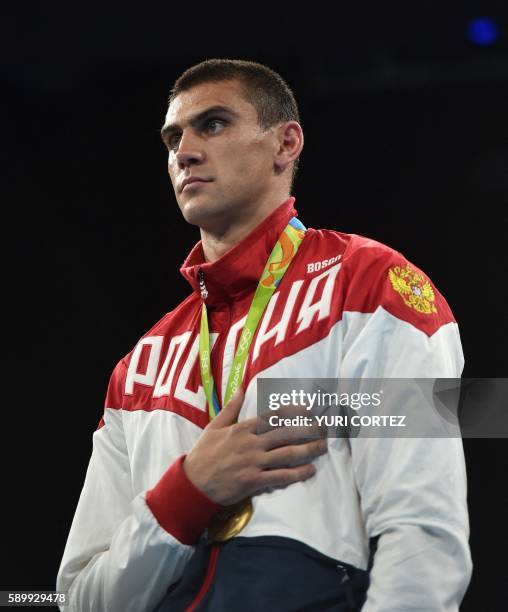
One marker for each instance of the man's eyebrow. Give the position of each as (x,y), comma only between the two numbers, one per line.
(174,127)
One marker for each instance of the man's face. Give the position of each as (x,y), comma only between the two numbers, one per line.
(225,147)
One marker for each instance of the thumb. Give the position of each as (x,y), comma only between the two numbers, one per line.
(229,413)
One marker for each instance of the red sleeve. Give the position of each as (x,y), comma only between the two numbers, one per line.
(180,508)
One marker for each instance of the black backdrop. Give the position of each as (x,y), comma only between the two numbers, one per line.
(407,115)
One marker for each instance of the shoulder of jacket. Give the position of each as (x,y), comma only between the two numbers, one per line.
(377,275)
(347,244)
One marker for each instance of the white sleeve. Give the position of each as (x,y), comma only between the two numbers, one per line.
(117,557)
(413,490)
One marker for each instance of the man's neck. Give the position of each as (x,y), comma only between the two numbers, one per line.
(216,242)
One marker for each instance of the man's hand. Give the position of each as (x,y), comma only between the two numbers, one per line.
(231,461)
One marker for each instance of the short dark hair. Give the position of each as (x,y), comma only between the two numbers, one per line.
(262,87)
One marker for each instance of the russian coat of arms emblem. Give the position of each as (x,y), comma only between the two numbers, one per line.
(414,288)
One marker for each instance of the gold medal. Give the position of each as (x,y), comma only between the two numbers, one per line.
(230,521)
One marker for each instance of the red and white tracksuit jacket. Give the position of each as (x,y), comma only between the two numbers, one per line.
(335,314)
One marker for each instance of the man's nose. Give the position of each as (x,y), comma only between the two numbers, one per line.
(189,152)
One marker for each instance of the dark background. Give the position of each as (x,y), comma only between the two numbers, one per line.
(398,105)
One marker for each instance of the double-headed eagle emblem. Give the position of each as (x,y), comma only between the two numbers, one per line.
(414,289)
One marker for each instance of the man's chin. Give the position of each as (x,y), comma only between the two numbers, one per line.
(198,210)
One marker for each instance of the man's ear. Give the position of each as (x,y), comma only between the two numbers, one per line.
(289,144)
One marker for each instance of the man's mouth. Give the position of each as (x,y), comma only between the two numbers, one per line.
(192,182)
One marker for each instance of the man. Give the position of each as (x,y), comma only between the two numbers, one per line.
(173,450)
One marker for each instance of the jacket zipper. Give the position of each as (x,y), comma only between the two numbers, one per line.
(214,552)
(202,287)
(210,571)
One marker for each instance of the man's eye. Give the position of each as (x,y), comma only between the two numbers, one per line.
(214,125)
(173,141)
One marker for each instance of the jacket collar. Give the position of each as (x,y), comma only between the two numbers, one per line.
(238,271)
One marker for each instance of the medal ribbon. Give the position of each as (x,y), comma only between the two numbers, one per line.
(281,256)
